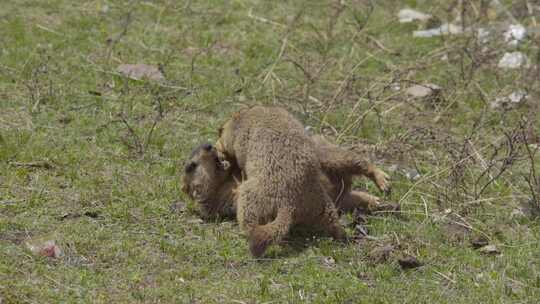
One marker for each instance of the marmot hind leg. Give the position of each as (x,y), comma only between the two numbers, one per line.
(338,162)
(255,214)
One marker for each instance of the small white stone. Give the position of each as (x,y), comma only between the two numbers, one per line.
(424,90)
(514,34)
(409,15)
(445,29)
(513,60)
(482,35)
(513,99)
(395,86)
(517,97)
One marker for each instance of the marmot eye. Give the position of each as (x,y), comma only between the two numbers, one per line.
(190,167)
(207,147)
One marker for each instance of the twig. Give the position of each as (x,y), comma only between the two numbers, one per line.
(139,146)
(431,176)
(48,30)
(281,51)
(381,46)
(39,164)
(261,19)
(445,276)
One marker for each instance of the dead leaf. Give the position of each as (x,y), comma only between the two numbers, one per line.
(360,231)
(140,71)
(409,262)
(46,249)
(195,221)
(37,164)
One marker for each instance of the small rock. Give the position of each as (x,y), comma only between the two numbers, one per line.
(392,168)
(177,207)
(489,249)
(409,262)
(409,15)
(515,34)
(139,71)
(513,60)
(329,262)
(479,242)
(444,29)
(395,86)
(511,100)
(424,90)
(518,97)
(482,35)
(309,130)
(412,174)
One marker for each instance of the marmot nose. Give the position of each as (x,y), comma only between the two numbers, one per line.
(207,147)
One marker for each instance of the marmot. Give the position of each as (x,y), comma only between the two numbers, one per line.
(283,172)
(213,185)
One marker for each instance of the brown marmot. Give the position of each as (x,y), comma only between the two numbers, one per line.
(213,185)
(283,171)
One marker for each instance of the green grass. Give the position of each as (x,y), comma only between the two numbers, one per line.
(62,102)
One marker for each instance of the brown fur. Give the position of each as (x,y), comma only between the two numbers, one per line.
(283,187)
(219,200)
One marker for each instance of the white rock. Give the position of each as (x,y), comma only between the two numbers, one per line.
(511,100)
(513,60)
(409,15)
(482,35)
(424,90)
(395,86)
(445,29)
(514,34)
(518,97)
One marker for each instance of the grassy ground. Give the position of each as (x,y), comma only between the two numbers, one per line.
(107,152)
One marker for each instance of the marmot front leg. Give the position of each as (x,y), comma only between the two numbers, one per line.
(330,219)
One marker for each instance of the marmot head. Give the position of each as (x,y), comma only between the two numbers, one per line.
(204,173)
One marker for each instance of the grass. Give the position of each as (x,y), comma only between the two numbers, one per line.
(115,149)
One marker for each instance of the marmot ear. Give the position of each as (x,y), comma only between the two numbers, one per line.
(190,167)
(207,147)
